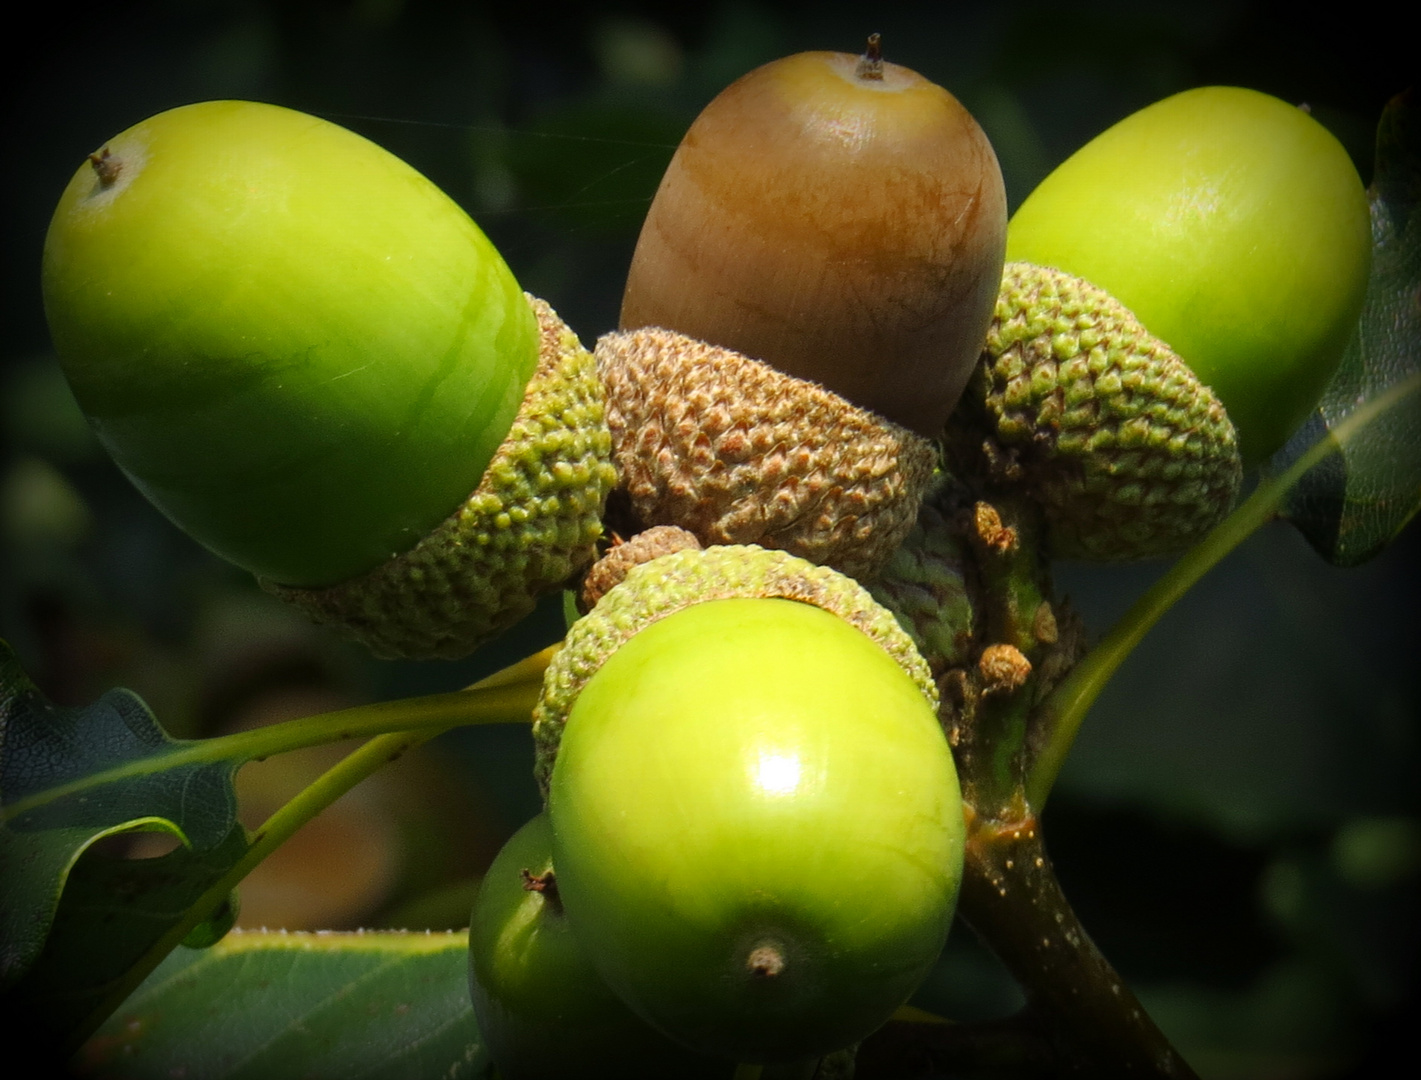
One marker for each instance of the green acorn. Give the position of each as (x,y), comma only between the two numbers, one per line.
(726,740)
(1207,253)
(528,527)
(1235,227)
(664,585)
(309,358)
(541,1006)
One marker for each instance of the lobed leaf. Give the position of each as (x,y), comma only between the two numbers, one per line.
(1352,504)
(69,777)
(63,786)
(277,1005)
(111,913)
(79,933)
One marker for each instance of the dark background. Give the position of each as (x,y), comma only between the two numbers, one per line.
(1239,824)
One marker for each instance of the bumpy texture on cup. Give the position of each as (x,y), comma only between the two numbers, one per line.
(533,522)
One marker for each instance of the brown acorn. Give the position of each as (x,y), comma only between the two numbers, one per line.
(807,299)
(839,217)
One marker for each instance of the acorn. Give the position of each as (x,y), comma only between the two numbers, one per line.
(541,1006)
(726,741)
(609,571)
(311,360)
(808,296)
(1234,227)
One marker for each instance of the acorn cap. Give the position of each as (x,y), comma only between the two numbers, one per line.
(1128,453)
(608,571)
(925,587)
(531,524)
(738,453)
(670,583)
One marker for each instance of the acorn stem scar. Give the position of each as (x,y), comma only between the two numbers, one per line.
(106,166)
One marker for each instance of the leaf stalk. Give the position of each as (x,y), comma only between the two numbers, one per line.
(501,697)
(1065,709)
(506,697)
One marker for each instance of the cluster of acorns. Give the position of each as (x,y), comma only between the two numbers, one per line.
(310,359)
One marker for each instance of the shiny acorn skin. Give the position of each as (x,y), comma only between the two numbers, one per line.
(838,217)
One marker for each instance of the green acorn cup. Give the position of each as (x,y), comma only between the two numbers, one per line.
(1177,295)
(725,742)
(927,585)
(310,359)
(1127,453)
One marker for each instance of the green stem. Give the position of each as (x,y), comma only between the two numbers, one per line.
(1014,576)
(1080,1007)
(1063,712)
(748,1072)
(275,831)
(995,783)
(506,697)
(991,748)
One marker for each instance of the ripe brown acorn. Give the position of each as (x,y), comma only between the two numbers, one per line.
(842,219)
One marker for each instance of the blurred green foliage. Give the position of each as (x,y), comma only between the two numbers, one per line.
(1239,824)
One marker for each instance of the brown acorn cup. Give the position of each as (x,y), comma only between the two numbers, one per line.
(736,452)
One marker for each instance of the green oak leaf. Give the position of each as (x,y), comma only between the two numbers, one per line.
(276,1005)
(112,911)
(70,926)
(1352,504)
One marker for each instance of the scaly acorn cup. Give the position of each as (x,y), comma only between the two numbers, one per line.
(609,571)
(308,357)
(736,452)
(1127,453)
(1235,228)
(927,585)
(757,829)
